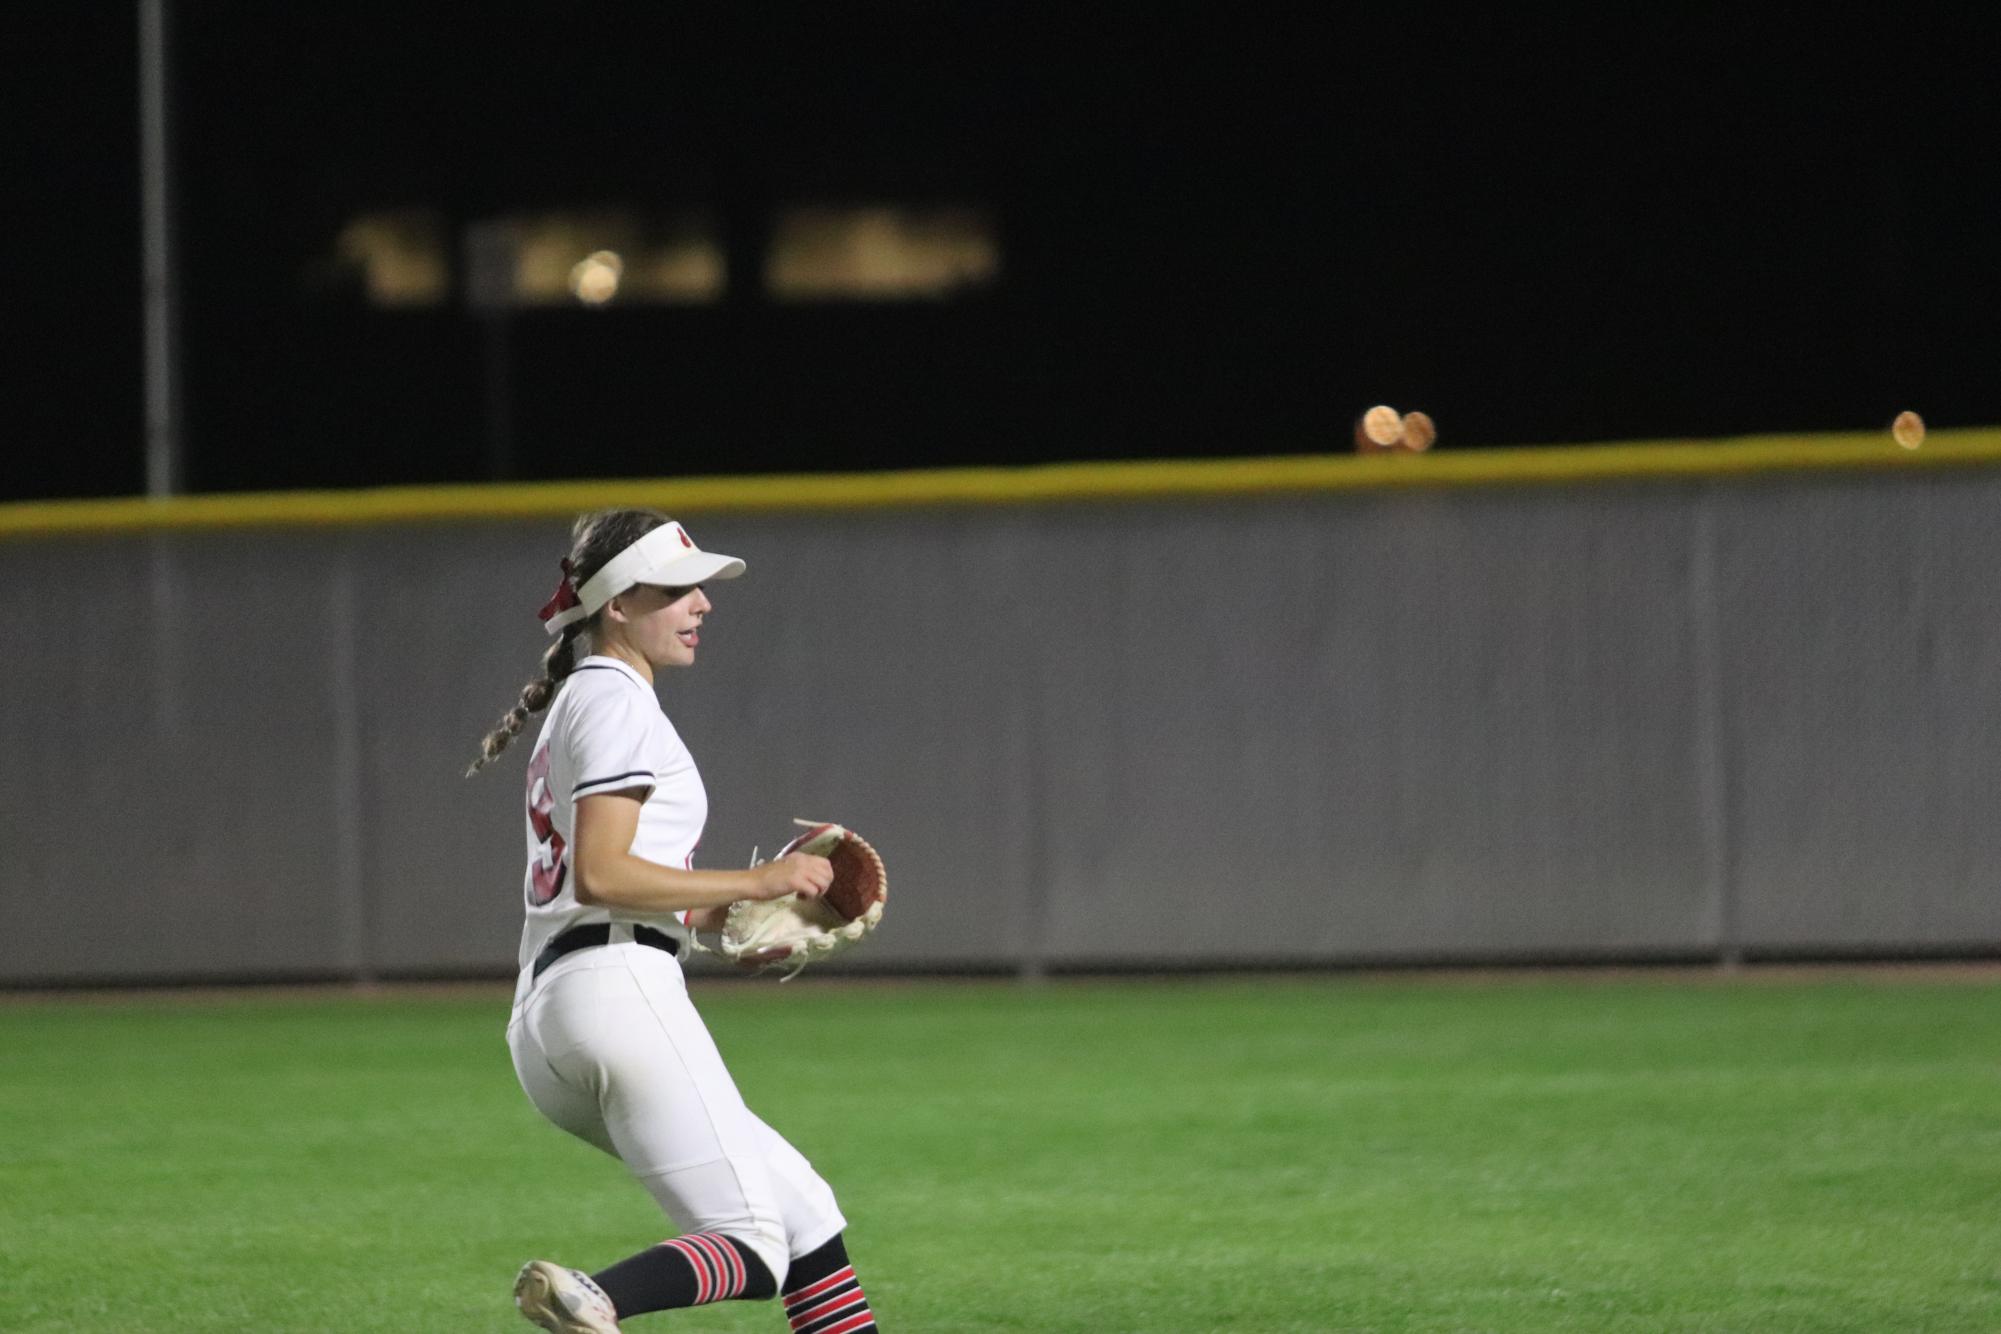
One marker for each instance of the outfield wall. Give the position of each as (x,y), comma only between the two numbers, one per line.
(1365,710)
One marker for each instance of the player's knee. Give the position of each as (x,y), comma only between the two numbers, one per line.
(767,1242)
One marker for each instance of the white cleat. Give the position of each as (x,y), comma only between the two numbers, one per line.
(563,1301)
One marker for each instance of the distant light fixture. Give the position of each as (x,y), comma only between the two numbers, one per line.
(398,254)
(881,252)
(594,278)
(521,260)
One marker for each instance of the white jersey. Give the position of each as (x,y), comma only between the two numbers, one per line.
(605,733)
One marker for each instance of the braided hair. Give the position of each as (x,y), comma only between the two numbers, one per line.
(594,540)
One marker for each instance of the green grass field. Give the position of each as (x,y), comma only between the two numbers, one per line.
(1596,1154)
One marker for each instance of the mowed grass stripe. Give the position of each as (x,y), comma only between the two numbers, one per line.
(1217,1155)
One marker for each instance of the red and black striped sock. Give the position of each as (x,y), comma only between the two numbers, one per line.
(691,1270)
(823,1296)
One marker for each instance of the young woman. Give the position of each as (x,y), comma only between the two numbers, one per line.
(605,1041)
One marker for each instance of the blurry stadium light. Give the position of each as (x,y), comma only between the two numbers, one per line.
(594,278)
(399,254)
(399,257)
(877,252)
(557,259)
(880,252)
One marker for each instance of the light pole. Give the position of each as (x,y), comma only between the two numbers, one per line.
(165,474)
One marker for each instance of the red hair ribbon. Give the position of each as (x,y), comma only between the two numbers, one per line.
(565,596)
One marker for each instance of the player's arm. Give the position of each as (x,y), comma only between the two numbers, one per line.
(606,874)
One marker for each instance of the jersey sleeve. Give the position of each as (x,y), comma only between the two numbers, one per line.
(611,741)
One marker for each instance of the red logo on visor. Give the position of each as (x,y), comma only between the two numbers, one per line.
(682,533)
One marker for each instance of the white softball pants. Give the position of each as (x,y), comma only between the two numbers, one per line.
(608,1047)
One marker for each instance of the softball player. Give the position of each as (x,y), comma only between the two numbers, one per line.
(605,1041)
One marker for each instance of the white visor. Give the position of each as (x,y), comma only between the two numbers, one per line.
(666,557)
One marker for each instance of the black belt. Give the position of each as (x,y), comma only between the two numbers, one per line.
(598,933)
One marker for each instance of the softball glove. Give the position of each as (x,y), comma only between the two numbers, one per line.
(795,932)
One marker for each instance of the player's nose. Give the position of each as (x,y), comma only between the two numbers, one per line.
(700,602)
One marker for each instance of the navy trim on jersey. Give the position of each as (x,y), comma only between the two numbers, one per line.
(647,774)
(625,672)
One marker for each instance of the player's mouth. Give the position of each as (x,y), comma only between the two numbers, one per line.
(691,636)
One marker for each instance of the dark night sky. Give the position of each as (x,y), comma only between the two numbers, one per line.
(1224,230)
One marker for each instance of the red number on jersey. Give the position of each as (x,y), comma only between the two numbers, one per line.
(545,874)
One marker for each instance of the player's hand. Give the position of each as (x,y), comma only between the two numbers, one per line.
(795,873)
(708,919)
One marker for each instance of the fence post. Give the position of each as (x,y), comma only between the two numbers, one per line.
(350,869)
(1712,739)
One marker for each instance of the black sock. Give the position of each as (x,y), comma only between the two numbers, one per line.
(823,1296)
(690,1270)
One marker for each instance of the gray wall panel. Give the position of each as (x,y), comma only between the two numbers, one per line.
(1862,648)
(189,835)
(1382,726)
(1643,720)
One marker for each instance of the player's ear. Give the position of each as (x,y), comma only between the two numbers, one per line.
(614,610)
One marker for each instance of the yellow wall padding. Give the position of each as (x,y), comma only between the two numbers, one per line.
(1666,460)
